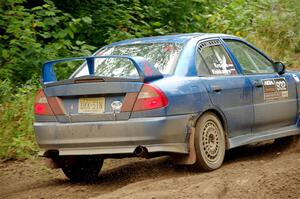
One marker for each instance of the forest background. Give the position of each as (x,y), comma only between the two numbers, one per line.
(33,31)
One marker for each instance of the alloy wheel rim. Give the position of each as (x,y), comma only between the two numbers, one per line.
(211,141)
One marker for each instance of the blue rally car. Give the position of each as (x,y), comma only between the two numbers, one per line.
(190,96)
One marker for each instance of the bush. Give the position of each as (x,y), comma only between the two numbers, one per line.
(277,30)
(30,36)
(32,32)
(16,119)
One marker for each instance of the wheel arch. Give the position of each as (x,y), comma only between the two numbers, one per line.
(222,119)
(51,154)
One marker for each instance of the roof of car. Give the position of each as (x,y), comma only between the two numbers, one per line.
(179,38)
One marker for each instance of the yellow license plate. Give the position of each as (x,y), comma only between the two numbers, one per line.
(91,105)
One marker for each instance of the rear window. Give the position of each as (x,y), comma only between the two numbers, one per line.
(163,55)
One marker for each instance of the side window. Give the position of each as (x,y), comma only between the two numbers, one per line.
(250,60)
(212,59)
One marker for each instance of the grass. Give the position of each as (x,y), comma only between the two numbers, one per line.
(16,119)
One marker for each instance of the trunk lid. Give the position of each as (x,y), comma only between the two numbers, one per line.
(93,98)
(83,102)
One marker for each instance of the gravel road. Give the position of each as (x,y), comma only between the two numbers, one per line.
(270,170)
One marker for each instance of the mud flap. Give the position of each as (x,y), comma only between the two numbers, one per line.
(191,157)
(52,164)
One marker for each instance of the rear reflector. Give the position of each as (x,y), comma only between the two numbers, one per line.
(150,98)
(40,109)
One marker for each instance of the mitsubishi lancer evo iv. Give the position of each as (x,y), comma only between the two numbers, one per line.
(189,96)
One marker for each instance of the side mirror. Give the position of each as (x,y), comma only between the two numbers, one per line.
(279,67)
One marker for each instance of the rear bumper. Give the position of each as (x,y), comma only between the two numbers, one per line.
(157,134)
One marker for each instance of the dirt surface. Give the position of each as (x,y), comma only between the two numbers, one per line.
(265,171)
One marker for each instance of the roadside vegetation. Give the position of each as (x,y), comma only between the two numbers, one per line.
(33,31)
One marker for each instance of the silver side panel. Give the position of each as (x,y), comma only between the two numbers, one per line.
(263,136)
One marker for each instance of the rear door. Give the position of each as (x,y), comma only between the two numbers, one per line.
(274,95)
(229,91)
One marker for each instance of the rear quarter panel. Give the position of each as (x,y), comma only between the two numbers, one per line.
(186,95)
(185,90)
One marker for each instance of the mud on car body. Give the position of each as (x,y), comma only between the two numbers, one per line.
(190,96)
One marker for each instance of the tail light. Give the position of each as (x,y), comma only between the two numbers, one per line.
(150,98)
(41,105)
(47,105)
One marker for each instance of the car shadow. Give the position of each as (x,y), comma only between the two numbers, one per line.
(262,151)
(163,167)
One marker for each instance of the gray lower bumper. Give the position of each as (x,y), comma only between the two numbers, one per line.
(157,134)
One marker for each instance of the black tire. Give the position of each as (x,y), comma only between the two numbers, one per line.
(209,142)
(82,168)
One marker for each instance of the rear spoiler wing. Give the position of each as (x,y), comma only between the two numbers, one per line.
(146,70)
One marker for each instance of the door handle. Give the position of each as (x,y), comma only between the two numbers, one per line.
(216,88)
(257,83)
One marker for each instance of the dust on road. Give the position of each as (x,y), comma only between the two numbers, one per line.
(266,171)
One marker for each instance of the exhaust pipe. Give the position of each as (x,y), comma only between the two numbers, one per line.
(141,151)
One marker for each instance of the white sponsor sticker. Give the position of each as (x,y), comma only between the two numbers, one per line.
(275,89)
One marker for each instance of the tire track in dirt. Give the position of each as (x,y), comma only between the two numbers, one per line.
(264,171)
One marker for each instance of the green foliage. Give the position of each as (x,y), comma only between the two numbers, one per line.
(32,32)
(16,118)
(30,36)
(235,18)
(277,30)
(269,24)
(123,19)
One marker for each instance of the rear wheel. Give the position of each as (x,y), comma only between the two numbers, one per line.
(82,168)
(209,142)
